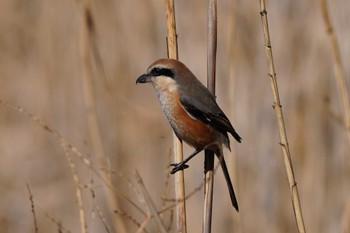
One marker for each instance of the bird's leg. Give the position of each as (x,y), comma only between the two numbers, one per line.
(182,165)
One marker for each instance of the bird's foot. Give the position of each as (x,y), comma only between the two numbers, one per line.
(178,167)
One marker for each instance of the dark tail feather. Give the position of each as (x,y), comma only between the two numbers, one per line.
(228,180)
(235,135)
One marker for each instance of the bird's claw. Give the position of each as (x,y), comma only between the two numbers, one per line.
(178,167)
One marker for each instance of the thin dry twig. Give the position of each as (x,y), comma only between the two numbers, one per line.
(59,225)
(338,68)
(78,189)
(144,195)
(96,207)
(71,148)
(36,228)
(172,49)
(141,227)
(280,121)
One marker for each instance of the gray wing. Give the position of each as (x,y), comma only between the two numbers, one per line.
(205,109)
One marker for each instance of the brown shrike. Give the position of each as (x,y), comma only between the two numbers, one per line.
(192,112)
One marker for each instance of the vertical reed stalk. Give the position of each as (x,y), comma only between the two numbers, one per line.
(172,49)
(87,27)
(338,68)
(209,155)
(280,121)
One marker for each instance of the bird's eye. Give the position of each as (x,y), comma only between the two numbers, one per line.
(156,71)
(160,71)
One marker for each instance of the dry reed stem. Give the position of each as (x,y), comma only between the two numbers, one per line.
(36,228)
(189,195)
(171,37)
(87,86)
(280,121)
(144,195)
(172,49)
(209,155)
(86,44)
(208,202)
(342,92)
(338,68)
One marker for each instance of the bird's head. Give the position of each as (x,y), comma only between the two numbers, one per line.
(165,74)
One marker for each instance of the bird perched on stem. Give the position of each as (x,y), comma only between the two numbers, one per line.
(192,112)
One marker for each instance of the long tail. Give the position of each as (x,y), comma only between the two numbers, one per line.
(220,156)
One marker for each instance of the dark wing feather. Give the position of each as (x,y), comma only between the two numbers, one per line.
(206,109)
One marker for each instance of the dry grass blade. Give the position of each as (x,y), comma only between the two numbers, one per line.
(100,215)
(338,68)
(79,196)
(67,146)
(96,207)
(280,121)
(59,225)
(148,201)
(141,227)
(36,228)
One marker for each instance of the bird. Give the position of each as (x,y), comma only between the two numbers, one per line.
(192,112)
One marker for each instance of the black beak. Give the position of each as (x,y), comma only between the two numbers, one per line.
(145,78)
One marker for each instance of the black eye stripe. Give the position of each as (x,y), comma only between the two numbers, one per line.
(158,71)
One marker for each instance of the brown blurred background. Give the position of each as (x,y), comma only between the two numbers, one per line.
(41,70)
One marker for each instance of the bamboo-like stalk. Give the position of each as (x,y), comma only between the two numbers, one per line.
(338,68)
(280,121)
(89,98)
(209,155)
(172,49)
